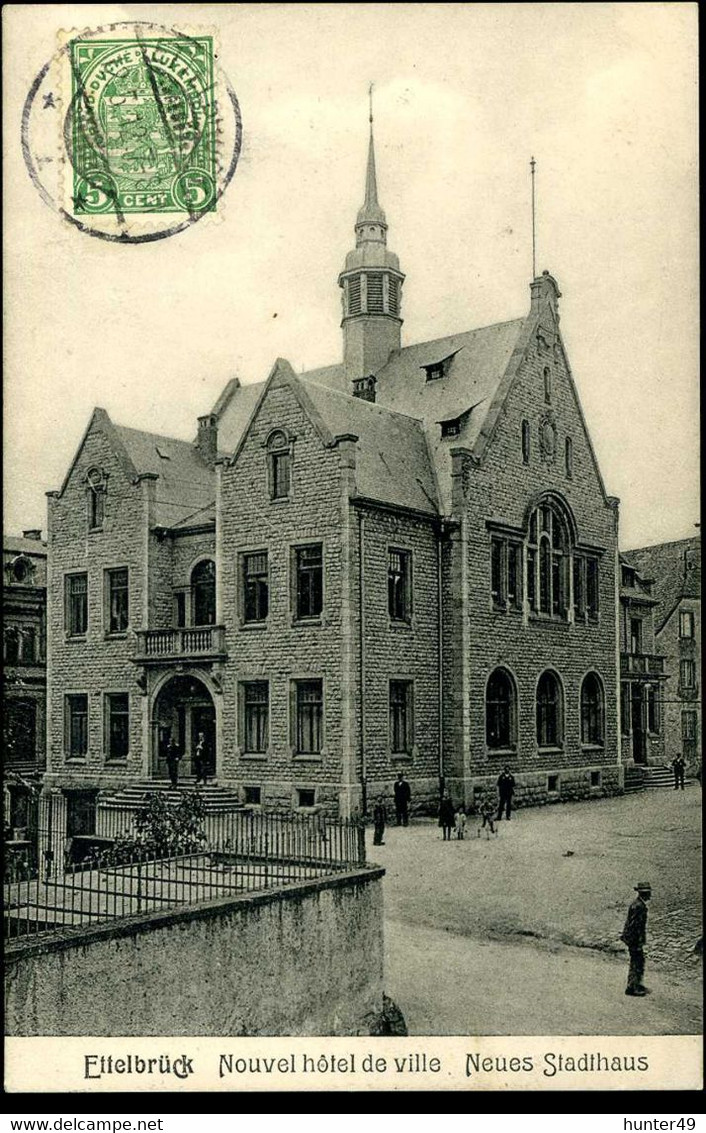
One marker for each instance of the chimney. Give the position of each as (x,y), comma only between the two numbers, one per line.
(34,533)
(207,440)
(544,289)
(364,388)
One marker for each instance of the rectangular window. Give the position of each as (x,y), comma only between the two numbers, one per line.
(117,600)
(80,813)
(497,547)
(28,645)
(180,608)
(255,587)
(399,588)
(687,674)
(309,717)
(514,575)
(579,602)
(569,458)
(451,428)
(595,778)
(531,577)
(96,507)
(525,442)
(310,589)
(280,475)
(252,796)
(306,797)
(400,716)
(117,725)
(553,784)
(636,635)
(686,623)
(76,739)
(434,371)
(77,605)
(653,710)
(592,588)
(256,711)
(688,726)
(506,573)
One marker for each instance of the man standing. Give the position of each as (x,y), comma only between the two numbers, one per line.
(173,758)
(678,769)
(403,794)
(634,935)
(379,821)
(506,789)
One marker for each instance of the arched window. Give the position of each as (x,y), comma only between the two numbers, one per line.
(592,728)
(550,715)
(547,385)
(548,561)
(279,458)
(500,711)
(95,497)
(569,457)
(203,593)
(525,442)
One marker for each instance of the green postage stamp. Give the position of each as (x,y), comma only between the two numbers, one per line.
(142,131)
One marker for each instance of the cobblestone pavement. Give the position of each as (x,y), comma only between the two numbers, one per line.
(555,884)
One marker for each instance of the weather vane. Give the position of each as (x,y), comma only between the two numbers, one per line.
(534,241)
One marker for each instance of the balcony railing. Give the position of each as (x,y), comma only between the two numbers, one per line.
(180,643)
(641,665)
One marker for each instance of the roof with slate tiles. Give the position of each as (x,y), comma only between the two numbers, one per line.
(676,570)
(186,484)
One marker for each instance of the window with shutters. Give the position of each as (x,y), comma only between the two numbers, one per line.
(374,291)
(76,605)
(117,725)
(116,596)
(308,720)
(399,584)
(309,574)
(255,587)
(76,725)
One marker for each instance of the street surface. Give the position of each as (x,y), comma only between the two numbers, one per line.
(519,934)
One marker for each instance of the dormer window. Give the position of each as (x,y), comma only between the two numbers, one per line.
(279,457)
(435,371)
(451,428)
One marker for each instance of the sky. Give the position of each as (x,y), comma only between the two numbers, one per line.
(603,95)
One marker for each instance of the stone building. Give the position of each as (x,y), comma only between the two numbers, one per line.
(405,561)
(24,682)
(642,672)
(675,571)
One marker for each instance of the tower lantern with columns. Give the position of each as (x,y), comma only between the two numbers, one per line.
(371,282)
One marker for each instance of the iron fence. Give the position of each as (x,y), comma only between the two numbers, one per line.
(256,852)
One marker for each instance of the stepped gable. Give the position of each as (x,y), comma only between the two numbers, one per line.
(676,570)
(185,483)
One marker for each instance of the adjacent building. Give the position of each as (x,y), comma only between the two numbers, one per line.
(675,571)
(24,683)
(405,561)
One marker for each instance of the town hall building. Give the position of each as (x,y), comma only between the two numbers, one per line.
(403,562)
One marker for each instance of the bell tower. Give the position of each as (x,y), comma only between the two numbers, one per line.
(371,282)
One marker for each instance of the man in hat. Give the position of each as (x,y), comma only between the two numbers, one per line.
(403,794)
(634,935)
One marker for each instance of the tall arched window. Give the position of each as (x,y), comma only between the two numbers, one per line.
(500,711)
(95,497)
(592,727)
(203,593)
(279,459)
(548,561)
(550,715)
(547,385)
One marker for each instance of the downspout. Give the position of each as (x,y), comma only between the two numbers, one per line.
(361,645)
(440,647)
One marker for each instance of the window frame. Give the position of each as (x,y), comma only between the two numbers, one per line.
(69,632)
(686,618)
(687,674)
(526,441)
(278,450)
(296,551)
(243,703)
(108,717)
(557,744)
(69,715)
(295,725)
(201,562)
(592,712)
(512,713)
(407,579)
(502,547)
(108,574)
(549,563)
(245,557)
(569,458)
(406,703)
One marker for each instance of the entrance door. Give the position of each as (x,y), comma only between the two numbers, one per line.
(203,720)
(639,747)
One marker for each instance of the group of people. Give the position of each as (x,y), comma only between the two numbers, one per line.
(452,819)
(200,762)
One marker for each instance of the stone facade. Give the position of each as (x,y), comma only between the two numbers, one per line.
(415,570)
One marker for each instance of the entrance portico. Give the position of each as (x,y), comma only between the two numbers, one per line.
(183,708)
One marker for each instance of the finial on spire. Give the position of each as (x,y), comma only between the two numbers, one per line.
(534,240)
(370,98)
(371,211)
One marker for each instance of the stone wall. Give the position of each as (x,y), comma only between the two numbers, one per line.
(305,961)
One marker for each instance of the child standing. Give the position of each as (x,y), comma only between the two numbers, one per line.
(487,811)
(460,822)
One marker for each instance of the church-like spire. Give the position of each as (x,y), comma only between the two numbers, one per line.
(371,282)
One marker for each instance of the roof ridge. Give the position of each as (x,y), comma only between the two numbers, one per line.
(460,333)
(362,401)
(667,543)
(155,436)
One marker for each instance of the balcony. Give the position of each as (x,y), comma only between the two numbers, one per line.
(185,643)
(641,665)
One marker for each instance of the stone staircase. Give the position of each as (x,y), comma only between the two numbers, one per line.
(217,800)
(657,777)
(635,777)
